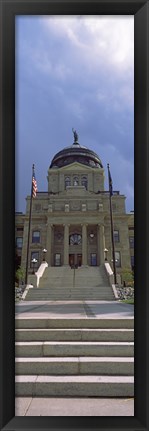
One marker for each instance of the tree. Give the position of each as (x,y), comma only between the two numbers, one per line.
(17,263)
(20,274)
(128,277)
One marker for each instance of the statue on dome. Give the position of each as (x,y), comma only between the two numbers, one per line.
(75,136)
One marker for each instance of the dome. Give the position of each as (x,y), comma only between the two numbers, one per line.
(76,153)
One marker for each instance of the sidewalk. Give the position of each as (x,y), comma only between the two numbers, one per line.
(74,309)
(74,407)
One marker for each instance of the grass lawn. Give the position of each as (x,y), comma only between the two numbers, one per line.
(128,301)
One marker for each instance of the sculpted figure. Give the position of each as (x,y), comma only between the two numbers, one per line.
(75,135)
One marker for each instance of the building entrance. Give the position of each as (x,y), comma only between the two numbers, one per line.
(75,260)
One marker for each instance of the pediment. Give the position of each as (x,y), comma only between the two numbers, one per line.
(75,166)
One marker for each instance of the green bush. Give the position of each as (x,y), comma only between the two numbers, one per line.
(20,274)
(128,277)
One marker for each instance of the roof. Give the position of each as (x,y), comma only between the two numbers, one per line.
(76,153)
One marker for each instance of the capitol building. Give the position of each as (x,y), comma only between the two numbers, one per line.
(71,220)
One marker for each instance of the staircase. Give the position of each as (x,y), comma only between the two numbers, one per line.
(84,357)
(64,283)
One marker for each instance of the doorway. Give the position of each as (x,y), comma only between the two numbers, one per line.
(79,259)
(75,260)
(72,260)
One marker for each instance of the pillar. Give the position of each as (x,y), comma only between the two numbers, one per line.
(49,243)
(84,244)
(101,244)
(66,244)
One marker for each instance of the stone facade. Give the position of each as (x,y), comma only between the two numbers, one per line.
(72,219)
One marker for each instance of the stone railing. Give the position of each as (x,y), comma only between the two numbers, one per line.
(40,272)
(33,282)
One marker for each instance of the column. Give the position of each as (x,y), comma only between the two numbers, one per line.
(101,244)
(66,244)
(49,243)
(84,244)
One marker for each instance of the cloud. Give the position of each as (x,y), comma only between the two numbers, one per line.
(85,50)
(103,40)
(122,170)
(78,72)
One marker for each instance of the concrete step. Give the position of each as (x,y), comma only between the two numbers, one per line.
(75,366)
(78,291)
(79,288)
(73,348)
(69,297)
(72,294)
(74,386)
(63,289)
(74,334)
(32,322)
(65,276)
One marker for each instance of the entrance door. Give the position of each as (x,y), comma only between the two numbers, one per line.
(72,260)
(79,259)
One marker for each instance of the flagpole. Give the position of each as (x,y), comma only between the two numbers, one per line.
(112,230)
(29,227)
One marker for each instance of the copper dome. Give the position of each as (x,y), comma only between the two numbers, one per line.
(76,153)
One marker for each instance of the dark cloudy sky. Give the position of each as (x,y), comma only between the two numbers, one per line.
(74,71)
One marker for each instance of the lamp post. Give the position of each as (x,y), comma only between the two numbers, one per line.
(44,254)
(34,261)
(106,253)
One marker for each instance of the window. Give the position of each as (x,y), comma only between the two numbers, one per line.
(67,182)
(19,242)
(131,241)
(36,236)
(57,259)
(34,255)
(19,229)
(93,259)
(75,181)
(37,207)
(113,206)
(116,236)
(75,239)
(117,259)
(84,182)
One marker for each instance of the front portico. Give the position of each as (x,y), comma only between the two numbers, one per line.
(75,244)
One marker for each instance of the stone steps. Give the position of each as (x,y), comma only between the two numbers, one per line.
(82,293)
(73,348)
(56,297)
(73,357)
(40,322)
(74,334)
(74,386)
(84,289)
(64,283)
(75,366)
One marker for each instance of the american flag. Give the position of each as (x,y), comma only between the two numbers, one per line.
(34,185)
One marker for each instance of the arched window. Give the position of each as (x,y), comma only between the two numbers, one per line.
(75,239)
(75,181)
(67,182)
(84,181)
